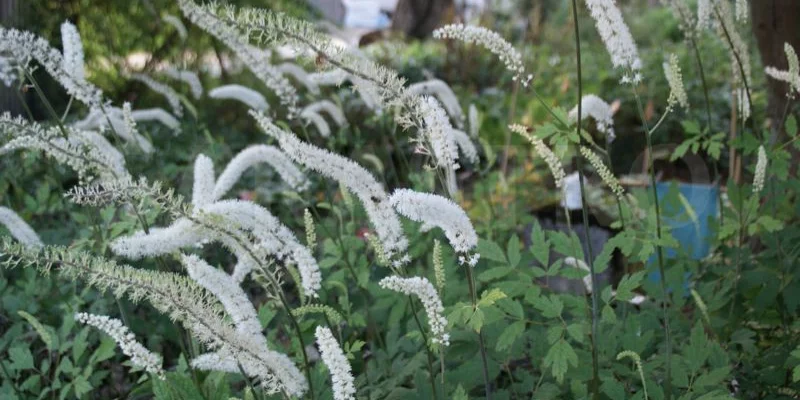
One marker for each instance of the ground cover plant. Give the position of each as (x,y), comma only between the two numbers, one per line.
(401,220)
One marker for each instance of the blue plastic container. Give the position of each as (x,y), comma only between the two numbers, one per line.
(693,235)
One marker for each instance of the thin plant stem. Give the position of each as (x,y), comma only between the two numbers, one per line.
(428,352)
(484,363)
(659,252)
(595,384)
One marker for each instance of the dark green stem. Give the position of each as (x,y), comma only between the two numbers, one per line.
(595,384)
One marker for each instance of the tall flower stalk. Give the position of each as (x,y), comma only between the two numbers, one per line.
(595,384)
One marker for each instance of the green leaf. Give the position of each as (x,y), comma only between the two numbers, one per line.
(691,127)
(40,329)
(21,358)
(550,307)
(104,351)
(489,297)
(540,247)
(513,251)
(608,315)
(769,223)
(577,332)
(494,273)
(460,394)
(555,333)
(476,320)
(559,358)
(491,250)
(791,126)
(627,285)
(79,344)
(509,335)
(712,378)
(81,386)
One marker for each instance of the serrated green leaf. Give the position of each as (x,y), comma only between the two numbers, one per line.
(489,297)
(540,247)
(21,358)
(509,335)
(491,251)
(559,358)
(550,307)
(513,248)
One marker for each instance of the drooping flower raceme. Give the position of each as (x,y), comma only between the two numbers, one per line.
(18,228)
(228,291)
(438,134)
(203,185)
(352,176)
(790,76)
(465,145)
(7,71)
(299,74)
(474,124)
(169,93)
(703,14)
(23,47)
(334,358)
(121,122)
(617,38)
(254,155)
(189,77)
(742,10)
(246,95)
(312,117)
(177,24)
(761,171)
(741,67)
(595,107)
(445,95)
(677,93)
(140,356)
(492,41)
(424,290)
(440,212)
(73,51)
(329,108)
(157,114)
(605,174)
(550,158)
(256,60)
(86,152)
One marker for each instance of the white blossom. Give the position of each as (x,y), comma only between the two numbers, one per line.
(73,51)
(157,114)
(221,221)
(599,110)
(437,134)
(465,145)
(677,93)
(492,41)
(617,38)
(169,93)
(7,71)
(474,124)
(761,171)
(329,108)
(424,290)
(246,95)
(251,156)
(445,95)
(550,158)
(188,77)
(140,356)
(18,228)
(703,13)
(228,291)
(204,181)
(334,358)
(605,174)
(738,53)
(86,152)
(312,117)
(791,75)
(332,77)
(437,211)
(23,47)
(299,74)
(177,24)
(742,10)
(350,175)
(121,122)
(256,60)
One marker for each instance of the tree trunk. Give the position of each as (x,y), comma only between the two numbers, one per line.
(418,18)
(775,23)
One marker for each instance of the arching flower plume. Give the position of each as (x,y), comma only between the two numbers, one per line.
(424,290)
(595,107)
(246,95)
(352,176)
(445,95)
(258,154)
(73,51)
(18,228)
(188,77)
(329,108)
